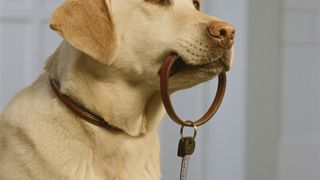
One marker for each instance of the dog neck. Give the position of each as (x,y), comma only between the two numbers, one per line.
(134,107)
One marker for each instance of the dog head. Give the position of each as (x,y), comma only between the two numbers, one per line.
(136,36)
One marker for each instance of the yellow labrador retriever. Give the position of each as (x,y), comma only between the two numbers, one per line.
(109,64)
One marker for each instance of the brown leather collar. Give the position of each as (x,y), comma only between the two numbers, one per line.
(79,110)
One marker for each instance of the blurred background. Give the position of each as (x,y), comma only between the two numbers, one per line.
(268,127)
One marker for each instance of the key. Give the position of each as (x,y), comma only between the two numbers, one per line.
(185,150)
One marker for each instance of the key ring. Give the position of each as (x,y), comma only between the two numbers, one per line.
(164,81)
(194,129)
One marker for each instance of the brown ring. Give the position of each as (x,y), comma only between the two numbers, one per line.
(164,81)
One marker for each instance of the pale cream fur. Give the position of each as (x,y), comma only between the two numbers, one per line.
(111,68)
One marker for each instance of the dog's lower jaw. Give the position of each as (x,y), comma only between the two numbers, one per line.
(192,76)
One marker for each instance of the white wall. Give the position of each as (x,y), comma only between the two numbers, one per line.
(299,138)
(25,43)
(263,93)
(283,102)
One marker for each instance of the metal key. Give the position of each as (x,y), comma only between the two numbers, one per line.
(185,150)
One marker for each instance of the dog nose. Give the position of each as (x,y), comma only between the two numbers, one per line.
(223,31)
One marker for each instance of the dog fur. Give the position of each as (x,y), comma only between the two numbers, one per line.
(109,62)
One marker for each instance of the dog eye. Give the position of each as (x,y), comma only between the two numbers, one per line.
(164,1)
(161,2)
(196,4)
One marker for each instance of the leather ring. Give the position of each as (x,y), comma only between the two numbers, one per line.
(164,83)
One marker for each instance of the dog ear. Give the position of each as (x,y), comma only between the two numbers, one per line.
(88,26)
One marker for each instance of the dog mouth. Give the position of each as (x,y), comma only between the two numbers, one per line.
(181,65)
(178,66)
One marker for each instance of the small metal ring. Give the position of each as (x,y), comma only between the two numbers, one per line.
(190,124)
